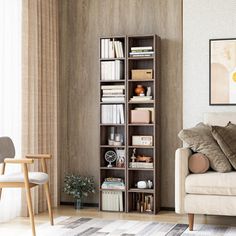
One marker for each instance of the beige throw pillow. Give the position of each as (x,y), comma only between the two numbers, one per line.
(226,138)
(201,140)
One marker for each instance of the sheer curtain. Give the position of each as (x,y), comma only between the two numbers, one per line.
(10,94)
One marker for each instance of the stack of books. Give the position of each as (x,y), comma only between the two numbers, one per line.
(113,183)
(111,49)
(141,165)
(141,98)
(141,51)
(112,70)
(112,114)
(113,93)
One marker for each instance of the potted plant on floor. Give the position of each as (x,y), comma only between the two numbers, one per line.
(78,187)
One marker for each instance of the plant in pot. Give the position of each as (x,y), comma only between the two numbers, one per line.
(78,187)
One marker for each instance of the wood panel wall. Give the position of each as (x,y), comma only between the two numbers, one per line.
(81,24)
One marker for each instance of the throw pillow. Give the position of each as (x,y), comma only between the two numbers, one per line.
(200,139)
(198,163)
(226,138)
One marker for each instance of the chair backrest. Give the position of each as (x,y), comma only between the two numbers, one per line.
(219,118)
(7,149)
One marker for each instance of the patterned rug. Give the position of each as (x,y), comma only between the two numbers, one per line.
(72,226)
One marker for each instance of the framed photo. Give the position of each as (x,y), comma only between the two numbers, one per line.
(222,69)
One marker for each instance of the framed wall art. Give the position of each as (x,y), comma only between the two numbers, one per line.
(222,70)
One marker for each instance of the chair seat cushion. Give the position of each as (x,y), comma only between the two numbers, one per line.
(212,183)
(34,178)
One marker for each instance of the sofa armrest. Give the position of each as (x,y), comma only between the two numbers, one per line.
(181,171)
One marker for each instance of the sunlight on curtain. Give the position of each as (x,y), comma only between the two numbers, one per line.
(10,94)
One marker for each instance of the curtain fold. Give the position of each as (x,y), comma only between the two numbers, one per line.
(40,63)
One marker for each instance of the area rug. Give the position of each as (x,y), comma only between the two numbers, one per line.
(81,226)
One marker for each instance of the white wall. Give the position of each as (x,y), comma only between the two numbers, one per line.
(202,20)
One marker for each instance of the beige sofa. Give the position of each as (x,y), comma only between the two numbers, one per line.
(210,193)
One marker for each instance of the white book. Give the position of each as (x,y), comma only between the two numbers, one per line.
(111,49)
(102,48)
(113,99)
(112,91)
(122,117)
(141,48)
(117,114)
(114,114)
(116,49)
(141,53)
(113,70)
(121,49)
(112,87)
(113,95)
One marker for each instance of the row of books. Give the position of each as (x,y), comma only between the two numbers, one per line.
(112,70)
(112,201)
(143,202)
(112,114)
(113,93)
(111,49)
(141,51)
(113,183)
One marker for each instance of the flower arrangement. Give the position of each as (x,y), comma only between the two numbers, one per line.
(78,186)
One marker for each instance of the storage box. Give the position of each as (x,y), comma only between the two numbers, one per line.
(140,140)
(140,116)
(141,74)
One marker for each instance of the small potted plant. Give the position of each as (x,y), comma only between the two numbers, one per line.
(78,187)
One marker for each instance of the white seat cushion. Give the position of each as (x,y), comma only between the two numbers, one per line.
(34,178)
(212,183)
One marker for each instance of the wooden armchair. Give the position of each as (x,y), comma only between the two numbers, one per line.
(25,179)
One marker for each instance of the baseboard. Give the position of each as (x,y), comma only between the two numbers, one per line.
(96,205)
(84,204)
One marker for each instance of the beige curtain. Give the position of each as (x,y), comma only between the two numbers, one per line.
(40,90)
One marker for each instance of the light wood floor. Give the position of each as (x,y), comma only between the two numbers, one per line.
(22,223)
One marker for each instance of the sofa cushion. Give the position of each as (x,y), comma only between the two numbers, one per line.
(211,182)
(200,139)
(226,138)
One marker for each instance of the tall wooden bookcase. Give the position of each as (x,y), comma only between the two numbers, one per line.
(132,194)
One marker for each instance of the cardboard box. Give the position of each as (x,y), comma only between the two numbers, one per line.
(140,116)
(141,74)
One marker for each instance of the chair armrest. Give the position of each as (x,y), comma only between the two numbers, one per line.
(38,156)
(18,161)
(181,171)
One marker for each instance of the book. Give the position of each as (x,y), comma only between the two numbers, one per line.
(140,165)
(141,48)
(113,87)
(112,114)
(141,52)
(113,99)
(112,70)
(141,98)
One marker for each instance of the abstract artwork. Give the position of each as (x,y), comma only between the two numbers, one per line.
(222,71)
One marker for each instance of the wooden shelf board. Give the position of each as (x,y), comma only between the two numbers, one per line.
(112,81)
(119,190)
(141,80)
(111,124)
(150,124)
(145,169)
(112,146)
(139,190)
(112,59)
(138,212)
(112,168)
(141,146)
(141,58)
(141,102)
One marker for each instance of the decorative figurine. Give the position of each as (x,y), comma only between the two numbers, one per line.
(133,157)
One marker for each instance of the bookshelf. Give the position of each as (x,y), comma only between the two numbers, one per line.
(125,116)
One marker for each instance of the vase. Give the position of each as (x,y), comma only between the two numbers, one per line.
(139,90)
(78,204)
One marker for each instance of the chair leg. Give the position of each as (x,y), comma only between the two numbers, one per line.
(30,209)
(190,221)
(46,187)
